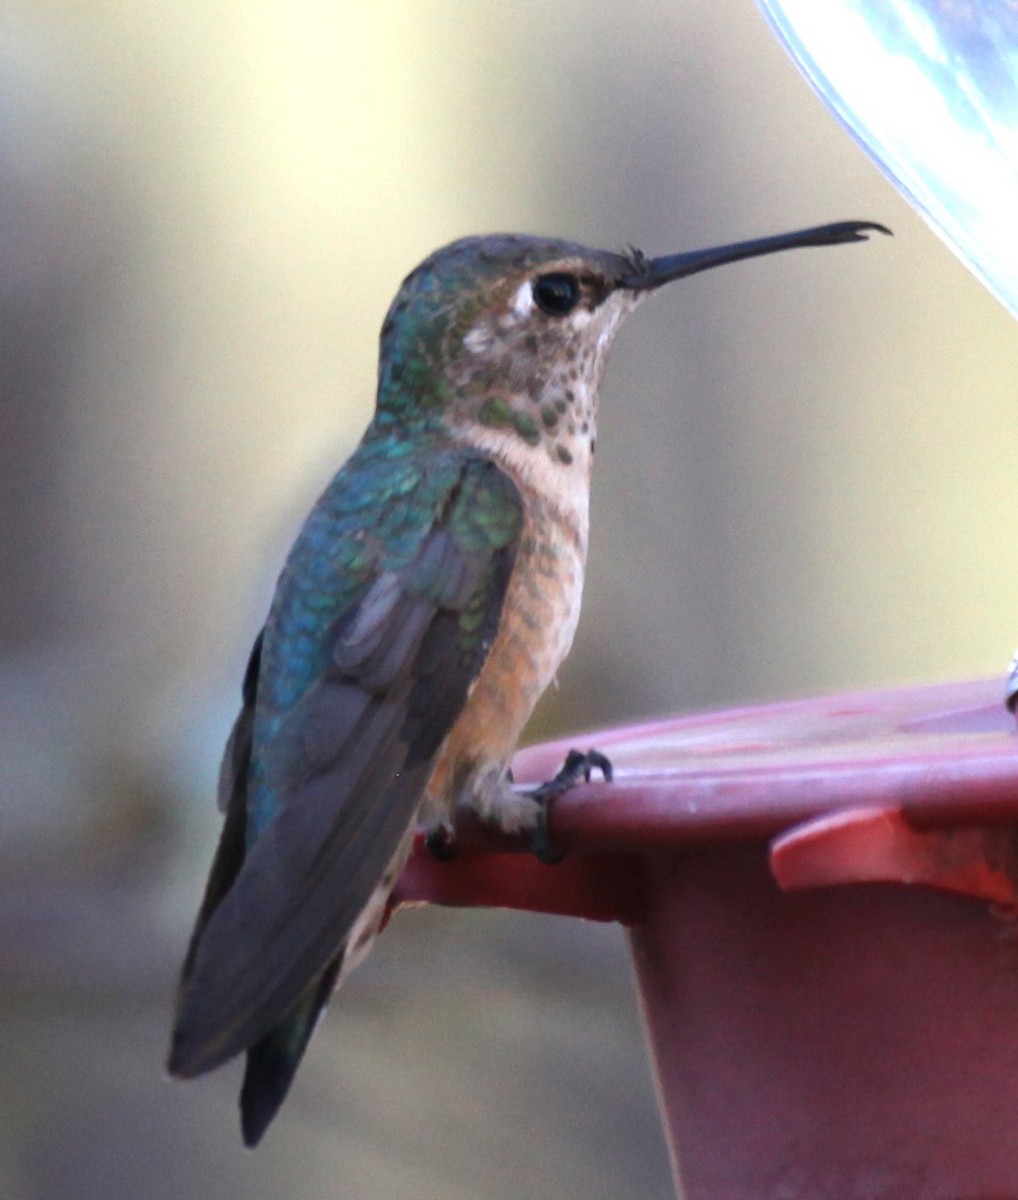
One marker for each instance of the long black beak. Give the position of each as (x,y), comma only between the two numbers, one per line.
(651,273)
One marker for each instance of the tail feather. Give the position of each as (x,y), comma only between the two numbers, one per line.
(272,1061)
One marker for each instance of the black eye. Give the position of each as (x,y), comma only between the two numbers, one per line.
(556,294)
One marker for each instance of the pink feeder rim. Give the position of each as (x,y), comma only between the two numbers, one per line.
(817,1029)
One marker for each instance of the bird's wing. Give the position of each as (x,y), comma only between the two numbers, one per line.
(350,761)
(232,800)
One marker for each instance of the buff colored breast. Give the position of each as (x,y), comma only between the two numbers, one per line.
(539,619)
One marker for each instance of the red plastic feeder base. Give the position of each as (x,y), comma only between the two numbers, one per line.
(848,1037)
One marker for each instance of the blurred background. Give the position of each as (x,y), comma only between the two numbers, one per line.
(806,482)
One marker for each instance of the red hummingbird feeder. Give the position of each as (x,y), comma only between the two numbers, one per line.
(820,903)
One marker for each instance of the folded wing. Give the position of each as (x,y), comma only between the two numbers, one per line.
(350,760)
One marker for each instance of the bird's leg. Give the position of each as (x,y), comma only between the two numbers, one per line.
(576,769)
(517,812)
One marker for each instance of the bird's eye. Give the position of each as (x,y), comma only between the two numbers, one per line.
(556,294)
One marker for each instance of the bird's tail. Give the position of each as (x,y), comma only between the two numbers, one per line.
(272,1061)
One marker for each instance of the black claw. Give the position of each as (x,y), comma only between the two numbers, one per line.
(440,843)
(1011,686)
(596,759)
(576,769)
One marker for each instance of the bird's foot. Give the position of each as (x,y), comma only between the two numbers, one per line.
(1011,685)
(576,769)
(441,843)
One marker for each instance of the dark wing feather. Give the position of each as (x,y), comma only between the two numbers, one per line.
(237,755)
(354,755)
(229,855)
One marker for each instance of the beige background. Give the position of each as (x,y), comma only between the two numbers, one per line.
(805,482)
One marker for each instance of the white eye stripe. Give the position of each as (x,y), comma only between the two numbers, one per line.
(523,301)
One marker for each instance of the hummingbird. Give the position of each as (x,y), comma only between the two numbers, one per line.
(426,604)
